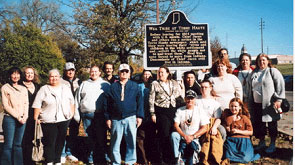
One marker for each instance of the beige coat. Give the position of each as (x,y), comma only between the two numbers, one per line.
(15,101)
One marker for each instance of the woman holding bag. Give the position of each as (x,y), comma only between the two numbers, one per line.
(31,82)
(267,89)
(54,107)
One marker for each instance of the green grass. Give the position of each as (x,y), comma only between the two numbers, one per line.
(285,69)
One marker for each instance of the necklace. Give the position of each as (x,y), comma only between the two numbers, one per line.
(189,118)
(30,86)
(245,77)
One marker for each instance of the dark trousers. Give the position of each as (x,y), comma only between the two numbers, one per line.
(100,137)
(145,139)
(54,136)
(27,141)
(259,127)
(164,125)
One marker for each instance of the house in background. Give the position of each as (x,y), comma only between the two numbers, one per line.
(275,58)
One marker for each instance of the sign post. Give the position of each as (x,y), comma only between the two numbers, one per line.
(178,44)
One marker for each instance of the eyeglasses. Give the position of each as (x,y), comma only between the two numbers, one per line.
(124,70)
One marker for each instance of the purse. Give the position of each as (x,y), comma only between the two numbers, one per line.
(37,153)
(285,105)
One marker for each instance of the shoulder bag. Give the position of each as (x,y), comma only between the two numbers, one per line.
(285,105)
(37,153)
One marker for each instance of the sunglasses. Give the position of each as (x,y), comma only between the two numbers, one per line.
(124,70)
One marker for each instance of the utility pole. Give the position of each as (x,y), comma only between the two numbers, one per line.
(261,24)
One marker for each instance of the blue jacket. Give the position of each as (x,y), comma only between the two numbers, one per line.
(132,104)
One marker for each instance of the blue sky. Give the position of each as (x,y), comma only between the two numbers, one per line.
(236,22)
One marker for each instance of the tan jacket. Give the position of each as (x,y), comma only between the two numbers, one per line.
(212,147)
(15,101)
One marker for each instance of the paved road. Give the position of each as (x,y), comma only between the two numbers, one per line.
(285,125)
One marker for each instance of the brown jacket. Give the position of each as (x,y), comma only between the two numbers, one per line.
(212,147)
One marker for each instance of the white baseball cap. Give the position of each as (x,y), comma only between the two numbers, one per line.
(69,65)
(124,66)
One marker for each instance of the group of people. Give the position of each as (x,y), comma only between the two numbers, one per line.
(205,118)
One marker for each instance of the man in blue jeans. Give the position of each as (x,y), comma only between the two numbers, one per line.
(190,123)
(89,101)
(124,113)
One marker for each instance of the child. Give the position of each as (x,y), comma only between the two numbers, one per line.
(238,146)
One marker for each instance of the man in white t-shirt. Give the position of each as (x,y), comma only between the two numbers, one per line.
(190,123)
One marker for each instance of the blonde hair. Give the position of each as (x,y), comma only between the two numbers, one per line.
(36,75)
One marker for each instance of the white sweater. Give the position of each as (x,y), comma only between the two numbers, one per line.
(88,94)
(226,89)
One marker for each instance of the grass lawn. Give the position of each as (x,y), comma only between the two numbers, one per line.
(285,69)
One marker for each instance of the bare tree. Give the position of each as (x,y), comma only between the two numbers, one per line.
(115,27)
(44,15)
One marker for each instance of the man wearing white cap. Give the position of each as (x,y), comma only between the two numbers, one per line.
(190,123)
(124,113)
(70,80)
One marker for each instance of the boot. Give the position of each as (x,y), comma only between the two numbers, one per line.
(271,148)
(261,145)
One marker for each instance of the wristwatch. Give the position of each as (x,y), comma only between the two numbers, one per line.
(195,136)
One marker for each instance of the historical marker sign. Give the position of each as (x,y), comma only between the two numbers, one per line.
(177,43)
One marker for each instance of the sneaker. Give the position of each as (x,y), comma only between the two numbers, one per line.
(63,160)
(260,146)
(57,164)
(271,148)
(72,158)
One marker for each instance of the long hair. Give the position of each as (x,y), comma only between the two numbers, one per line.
(258,60)
(224,62)
(244,109)
(167,70)
(36,75)
(10,72)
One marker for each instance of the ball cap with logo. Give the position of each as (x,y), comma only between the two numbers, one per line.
(124,67)
(69,65)
(191,94)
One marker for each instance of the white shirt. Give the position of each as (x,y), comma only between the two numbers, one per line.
(211,107)
(257,86)
(197,116)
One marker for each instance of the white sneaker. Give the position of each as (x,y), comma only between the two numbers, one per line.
(57,164)
(72,158)
(63,160)
(49,163)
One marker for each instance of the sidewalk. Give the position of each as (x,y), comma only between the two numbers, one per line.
(285,125)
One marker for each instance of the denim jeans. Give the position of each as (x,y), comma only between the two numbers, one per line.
(13,135)
(88,125)
(186,150)
(126,127)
